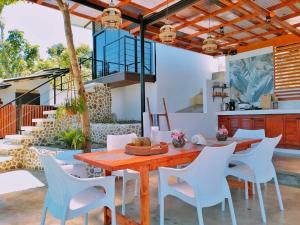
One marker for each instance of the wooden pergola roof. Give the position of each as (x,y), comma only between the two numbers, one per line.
(236,24)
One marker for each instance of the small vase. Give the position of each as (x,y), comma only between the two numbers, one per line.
(178,143)
(221,137)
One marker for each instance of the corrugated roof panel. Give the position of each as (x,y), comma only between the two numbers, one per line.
(187,30)
(294,20)
(253,40)
(205,23)
(227,16)
(88,11)
(267,3)
(150,4)
(269,36)
(283,11)
(258,30)
(241,35)
(244,24)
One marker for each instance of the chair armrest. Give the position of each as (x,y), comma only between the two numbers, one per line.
(166,172)
(80,184)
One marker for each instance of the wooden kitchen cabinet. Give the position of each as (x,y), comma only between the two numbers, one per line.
(286,124)
(292,130)
(275,126)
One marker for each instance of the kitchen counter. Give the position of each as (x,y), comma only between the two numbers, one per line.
(259,112)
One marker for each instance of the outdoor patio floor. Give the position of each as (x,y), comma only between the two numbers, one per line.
(24,208)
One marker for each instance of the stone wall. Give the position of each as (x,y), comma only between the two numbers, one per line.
(101,130)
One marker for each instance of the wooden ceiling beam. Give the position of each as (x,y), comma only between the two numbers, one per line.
(275,18)
(222,25)
(224,21)
(281,40)
(74,7)
(253,37)
(201,18)
(283,4)
(39,1)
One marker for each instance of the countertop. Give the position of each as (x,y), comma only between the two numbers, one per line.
(260,112)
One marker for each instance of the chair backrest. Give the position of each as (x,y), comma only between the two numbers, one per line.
(207,171)
(56,178)
(242,133)
(119,141)
(261,156)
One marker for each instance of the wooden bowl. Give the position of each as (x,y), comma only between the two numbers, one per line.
(161,148)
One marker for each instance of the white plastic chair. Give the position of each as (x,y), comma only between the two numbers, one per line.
(200,188)
(119,142)
(243,133)
(256,166)
(69,197)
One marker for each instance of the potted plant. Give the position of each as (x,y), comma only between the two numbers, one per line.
(222,134)
(71,107)
(72,138)
(178,138)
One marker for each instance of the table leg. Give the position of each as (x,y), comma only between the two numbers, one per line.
(107,219)
(145,196)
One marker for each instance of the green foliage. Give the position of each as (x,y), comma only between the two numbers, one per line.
(73,138)
(71,107)
(4,3)
(18,57)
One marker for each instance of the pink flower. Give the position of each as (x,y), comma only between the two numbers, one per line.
(223,131)
(177,134)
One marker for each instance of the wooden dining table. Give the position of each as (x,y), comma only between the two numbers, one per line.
(118,160)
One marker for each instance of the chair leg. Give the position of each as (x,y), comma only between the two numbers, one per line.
(113,216)
(278,193)
(223,205)
(200,216)
(86,219)
(246,190)
(124,196)
(44,214)
(261,203)
(231,209)
(63,222)
(161,210)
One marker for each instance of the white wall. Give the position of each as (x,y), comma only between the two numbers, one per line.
(283,104)
(181,74)
(193,123)
(126,101)
(9,94)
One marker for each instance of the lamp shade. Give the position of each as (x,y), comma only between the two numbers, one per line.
(167,34)
(209,45)
(111,17)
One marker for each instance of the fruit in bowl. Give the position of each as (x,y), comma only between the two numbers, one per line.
(141,141)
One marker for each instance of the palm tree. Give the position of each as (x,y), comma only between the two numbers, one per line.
(75,71)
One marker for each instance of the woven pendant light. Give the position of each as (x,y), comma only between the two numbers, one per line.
(111,17)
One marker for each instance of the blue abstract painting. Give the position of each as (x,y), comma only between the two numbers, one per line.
(250,78)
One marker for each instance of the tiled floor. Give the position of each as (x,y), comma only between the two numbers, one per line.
(24,208)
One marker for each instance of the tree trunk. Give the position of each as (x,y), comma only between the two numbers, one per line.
(85,120)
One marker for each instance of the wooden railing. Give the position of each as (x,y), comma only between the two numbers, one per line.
(8,120)
(29,112)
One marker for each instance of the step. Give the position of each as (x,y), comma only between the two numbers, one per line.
(6,148)
(5,158)
(17,138)
(49,112)
(32,128)
(43,120)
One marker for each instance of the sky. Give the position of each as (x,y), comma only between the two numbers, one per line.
(42,26)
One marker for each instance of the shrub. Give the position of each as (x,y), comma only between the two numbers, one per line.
(73,138)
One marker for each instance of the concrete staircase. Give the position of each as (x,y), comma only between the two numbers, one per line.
(13,143)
